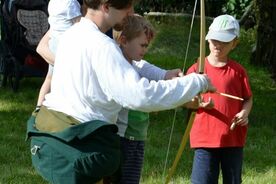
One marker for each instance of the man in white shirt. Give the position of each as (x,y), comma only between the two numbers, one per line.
(91,82)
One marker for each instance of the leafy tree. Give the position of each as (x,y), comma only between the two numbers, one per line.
(265,53)
(164,6)
(236,8)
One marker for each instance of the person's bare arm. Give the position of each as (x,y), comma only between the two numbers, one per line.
(241,118)
(44,51)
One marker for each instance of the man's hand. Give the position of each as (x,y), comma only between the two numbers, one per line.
(197,102)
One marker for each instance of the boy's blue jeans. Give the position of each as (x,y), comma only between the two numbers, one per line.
(208,161)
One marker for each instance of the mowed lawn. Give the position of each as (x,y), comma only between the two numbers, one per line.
(167,51)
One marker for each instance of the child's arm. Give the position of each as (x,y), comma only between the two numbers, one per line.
(152,72)
(149,71)
(170,74)
(44,51)
(43,46)
(241,118)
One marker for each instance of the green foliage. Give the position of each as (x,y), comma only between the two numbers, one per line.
(236,8)
(164,6)
(213,7)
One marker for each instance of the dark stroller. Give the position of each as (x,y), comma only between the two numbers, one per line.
(23,23)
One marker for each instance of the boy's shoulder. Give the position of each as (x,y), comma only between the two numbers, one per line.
(235,63)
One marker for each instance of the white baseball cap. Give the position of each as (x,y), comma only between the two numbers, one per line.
(224,28)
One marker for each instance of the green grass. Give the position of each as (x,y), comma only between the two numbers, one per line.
(168,51)
(15,108)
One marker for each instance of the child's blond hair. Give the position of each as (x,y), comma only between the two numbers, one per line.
(133,27)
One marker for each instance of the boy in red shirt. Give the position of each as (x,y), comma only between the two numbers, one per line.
(216,145)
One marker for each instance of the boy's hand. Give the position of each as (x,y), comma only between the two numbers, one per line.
(240,118)
(173,74)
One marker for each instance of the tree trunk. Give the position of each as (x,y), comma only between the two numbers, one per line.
(265,54)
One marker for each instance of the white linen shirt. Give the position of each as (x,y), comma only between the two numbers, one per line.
(149,71)
(93,81)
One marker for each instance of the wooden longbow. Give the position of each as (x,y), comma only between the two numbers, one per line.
(193,112)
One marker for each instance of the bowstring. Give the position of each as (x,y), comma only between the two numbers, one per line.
(189,38)
(175,111)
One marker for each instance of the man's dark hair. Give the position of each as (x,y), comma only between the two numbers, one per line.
(80,1)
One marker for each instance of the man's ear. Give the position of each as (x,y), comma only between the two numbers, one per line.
(122,40)
(105,7)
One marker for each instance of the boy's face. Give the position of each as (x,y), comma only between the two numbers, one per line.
(136,48)
(221,49)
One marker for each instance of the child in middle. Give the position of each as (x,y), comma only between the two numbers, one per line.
(134,39)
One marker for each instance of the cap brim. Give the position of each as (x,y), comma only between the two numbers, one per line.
(220,36)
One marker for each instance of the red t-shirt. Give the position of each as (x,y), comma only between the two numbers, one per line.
(211,128)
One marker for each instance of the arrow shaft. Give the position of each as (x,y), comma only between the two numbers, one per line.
(230,96)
